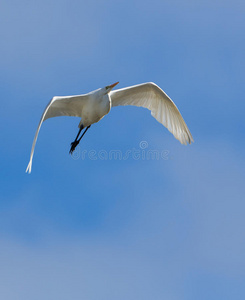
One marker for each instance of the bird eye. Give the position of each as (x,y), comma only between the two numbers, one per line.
(107,87)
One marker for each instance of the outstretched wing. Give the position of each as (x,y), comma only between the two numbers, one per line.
(162,108)
(58,106)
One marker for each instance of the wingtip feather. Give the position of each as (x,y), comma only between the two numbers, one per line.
(28,169)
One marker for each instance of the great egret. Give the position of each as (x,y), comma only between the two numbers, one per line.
(92,107)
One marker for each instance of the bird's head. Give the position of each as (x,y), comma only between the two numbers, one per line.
(108,88)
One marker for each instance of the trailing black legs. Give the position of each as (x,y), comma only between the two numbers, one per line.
(77,141)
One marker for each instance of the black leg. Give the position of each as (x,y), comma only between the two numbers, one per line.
(80,129)
(83,133)
(77,141)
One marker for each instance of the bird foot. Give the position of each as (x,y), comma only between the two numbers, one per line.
(73,146)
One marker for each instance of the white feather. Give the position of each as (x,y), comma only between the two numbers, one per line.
(58,106)
(162,108)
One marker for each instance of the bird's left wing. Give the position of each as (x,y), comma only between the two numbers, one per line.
(162,108)
(58,106)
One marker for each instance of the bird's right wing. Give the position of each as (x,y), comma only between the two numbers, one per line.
(58,106)
(162,108)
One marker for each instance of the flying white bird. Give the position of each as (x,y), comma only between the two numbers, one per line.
(92,107)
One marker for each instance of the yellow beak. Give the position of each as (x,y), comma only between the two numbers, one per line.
(113,85)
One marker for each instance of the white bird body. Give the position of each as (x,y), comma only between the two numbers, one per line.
(92,107)
(96,108)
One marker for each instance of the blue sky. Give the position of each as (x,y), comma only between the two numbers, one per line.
(171,228)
